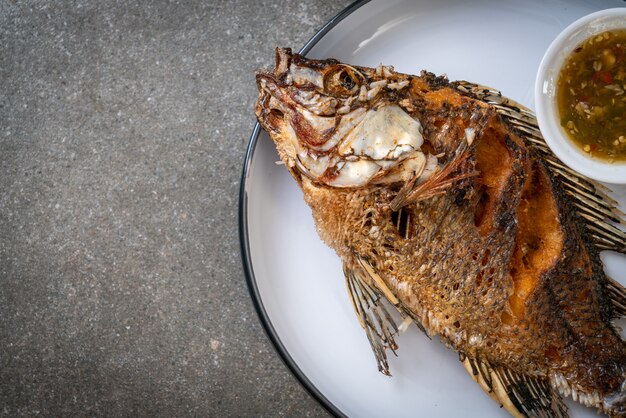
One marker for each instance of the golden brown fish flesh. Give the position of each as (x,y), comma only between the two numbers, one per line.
(443,199)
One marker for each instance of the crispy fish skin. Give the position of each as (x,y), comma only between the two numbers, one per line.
(459,224)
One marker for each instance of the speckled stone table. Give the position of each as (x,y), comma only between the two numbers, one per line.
(123,128)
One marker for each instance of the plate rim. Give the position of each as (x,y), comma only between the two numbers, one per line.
(245,242)
(253,289)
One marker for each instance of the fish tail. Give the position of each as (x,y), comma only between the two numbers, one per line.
(598,376)
(615,404)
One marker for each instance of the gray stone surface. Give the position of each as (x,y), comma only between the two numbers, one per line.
(123,128)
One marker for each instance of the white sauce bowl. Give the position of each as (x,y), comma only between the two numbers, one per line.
(545,96)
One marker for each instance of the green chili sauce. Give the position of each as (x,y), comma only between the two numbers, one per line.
(591,96)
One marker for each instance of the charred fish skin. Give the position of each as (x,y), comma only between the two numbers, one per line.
(436,203)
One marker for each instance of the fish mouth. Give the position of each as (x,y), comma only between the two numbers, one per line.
(281,69)
(270,108)
(283,61)
(267,83)
(273,97)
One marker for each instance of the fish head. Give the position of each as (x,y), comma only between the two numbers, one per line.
(339,124)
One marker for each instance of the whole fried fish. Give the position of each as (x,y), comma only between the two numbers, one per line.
(443,199)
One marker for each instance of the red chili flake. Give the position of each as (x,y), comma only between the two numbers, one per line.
(582,97)
(594,147)
(604,76)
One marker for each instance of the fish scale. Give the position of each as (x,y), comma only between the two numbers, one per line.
(463,221)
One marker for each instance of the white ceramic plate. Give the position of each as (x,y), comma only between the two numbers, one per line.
(297,282)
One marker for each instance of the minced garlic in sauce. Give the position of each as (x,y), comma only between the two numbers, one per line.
(591,96)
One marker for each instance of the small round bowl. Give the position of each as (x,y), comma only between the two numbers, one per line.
(545,95)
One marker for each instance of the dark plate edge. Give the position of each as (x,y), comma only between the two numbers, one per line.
(245,244)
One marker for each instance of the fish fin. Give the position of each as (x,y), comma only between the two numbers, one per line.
(367,293)
(373,316)
(617,296)
(520,395)
(379,285)
(597,210)
(436,184)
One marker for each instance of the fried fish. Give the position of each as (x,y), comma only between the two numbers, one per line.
(443,199)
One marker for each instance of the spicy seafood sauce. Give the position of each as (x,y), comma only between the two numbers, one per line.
(591,96)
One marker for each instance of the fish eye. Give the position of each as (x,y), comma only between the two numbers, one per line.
(342,81)
(347,82)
